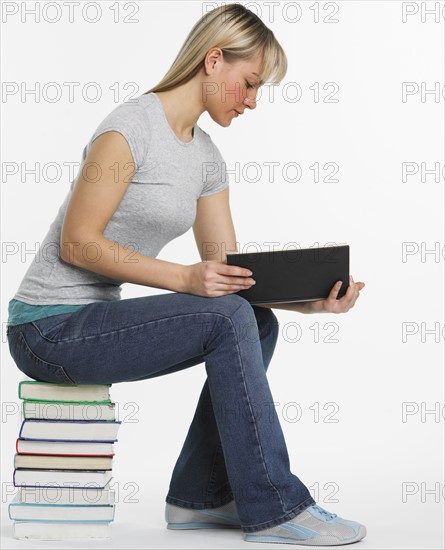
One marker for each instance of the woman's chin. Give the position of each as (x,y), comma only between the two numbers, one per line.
(224,119)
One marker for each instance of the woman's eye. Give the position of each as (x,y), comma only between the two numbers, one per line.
(248,85)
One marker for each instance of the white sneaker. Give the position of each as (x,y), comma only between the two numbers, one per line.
(314,527)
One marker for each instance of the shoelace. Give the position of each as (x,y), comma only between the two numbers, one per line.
(329,515)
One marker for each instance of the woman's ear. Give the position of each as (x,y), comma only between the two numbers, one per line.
(213,57)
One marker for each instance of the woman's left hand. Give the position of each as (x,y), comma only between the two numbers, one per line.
(332,305)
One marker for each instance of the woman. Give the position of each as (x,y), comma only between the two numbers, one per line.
(149,172)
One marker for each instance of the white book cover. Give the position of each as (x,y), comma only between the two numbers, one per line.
(70,430)
(41,446)
(66,495)
(61,530)
(62,478)
(60,512)
(33,389)
(56,462)
(53,410)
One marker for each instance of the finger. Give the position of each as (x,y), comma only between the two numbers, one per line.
(348,299)
(233,270)
(351,293)
(334,291)
(234,282)
(359,284)
(352,289)
(231,280)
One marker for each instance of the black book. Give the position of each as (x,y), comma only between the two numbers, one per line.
(294,275)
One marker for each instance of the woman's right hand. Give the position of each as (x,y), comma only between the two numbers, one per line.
(213,278)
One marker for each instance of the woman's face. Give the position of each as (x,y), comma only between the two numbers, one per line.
(230,88)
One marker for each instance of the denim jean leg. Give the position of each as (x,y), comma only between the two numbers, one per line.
(199,478)
(265,491)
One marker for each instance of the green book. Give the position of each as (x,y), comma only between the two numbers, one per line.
(33,390)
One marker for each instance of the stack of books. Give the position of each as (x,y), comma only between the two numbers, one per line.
(63,464)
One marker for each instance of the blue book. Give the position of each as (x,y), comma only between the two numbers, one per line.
(70,430)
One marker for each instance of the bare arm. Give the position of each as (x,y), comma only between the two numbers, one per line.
(92,205)
(213,228)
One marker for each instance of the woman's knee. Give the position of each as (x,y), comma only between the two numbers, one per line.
(261,318)
(234,305)
(256,323)
(237,315)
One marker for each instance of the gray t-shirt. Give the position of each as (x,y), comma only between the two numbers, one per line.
(158,206)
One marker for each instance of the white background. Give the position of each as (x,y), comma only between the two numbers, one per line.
(368,372)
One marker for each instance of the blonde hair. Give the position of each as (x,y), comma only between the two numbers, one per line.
(239,33)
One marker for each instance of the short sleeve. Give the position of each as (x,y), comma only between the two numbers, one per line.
(131,121)
(214,174)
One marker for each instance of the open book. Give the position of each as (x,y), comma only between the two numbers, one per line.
(294,275)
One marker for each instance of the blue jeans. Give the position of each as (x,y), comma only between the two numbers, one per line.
(235,447)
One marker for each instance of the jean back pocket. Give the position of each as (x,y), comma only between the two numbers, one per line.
(36,367)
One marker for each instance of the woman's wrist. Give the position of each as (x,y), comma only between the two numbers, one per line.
(183,279)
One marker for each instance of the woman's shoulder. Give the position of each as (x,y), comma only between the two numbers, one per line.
(211,145)
(203,135)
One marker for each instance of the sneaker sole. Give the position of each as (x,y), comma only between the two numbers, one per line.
(199,525)
(316,541)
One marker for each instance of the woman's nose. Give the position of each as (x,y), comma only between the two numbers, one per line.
(250,102)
